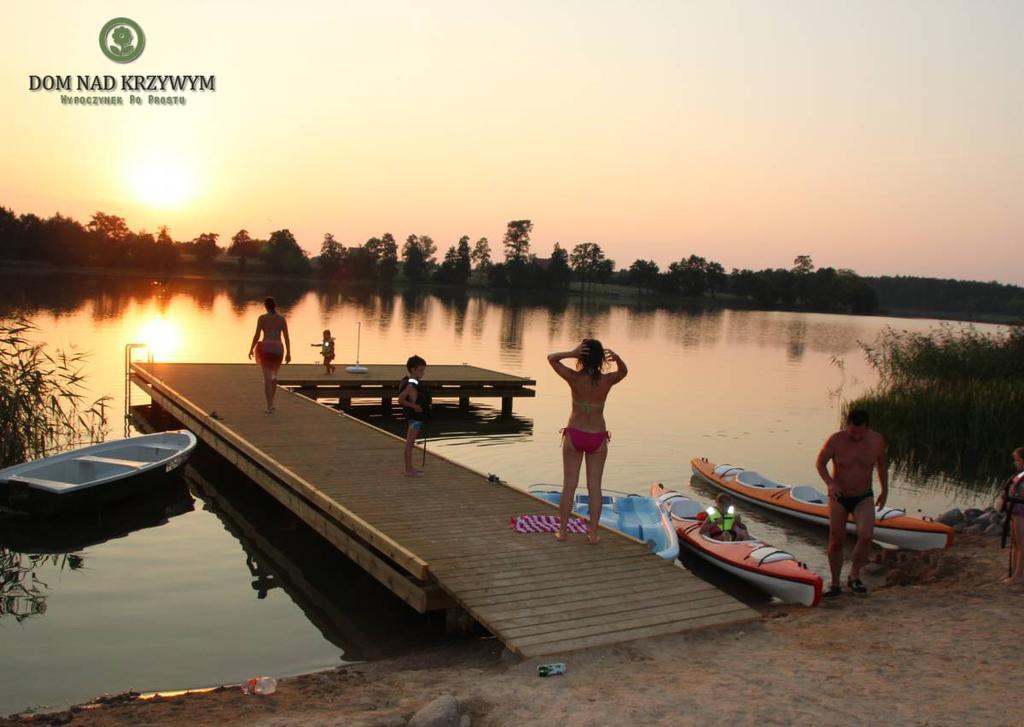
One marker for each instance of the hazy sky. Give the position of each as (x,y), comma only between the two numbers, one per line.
(887,137)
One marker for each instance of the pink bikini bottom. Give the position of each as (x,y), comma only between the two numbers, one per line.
(586,442)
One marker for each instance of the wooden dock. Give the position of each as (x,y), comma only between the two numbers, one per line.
(440,540)
(446,381)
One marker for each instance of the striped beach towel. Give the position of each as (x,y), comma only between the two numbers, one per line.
(544,524)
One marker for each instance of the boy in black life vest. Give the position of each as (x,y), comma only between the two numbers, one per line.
(415,402)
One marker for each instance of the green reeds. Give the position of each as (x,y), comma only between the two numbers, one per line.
(43,407)
(950,402)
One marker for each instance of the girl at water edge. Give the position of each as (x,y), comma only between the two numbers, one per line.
(1012,501)
(270,350)
(586,435)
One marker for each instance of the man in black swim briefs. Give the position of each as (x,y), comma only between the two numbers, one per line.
(854,453)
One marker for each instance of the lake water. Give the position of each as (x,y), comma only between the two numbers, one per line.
(212,583)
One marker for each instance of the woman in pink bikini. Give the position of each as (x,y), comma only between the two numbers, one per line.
(586,435)
(271,351)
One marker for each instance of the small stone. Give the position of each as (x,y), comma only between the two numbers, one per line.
(951,517)
(958,528)
(974,529)
(442,712)
(465,721)
(994,529)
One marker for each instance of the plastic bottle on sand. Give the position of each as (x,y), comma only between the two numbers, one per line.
(260,685)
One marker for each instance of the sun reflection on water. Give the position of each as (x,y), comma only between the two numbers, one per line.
(163,336)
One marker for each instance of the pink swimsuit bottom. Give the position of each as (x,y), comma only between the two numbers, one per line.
(586,442)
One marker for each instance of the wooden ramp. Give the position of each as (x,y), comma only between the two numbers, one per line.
(441,539)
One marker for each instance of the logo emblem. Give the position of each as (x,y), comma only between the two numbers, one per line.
(122,40)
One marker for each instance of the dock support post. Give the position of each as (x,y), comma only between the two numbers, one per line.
(345,403)
(463,403)
(385,405)
(457,621)
(506,406)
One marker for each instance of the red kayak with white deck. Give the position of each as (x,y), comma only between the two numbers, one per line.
(772,570)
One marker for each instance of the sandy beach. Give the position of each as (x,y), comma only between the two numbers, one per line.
(930,652)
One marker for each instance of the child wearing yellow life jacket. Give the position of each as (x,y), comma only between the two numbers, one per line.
(327,351)
(721,522)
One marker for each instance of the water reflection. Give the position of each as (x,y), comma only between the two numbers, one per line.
(349,608)
(479,317)
(586,318)
(745,371)
(818,332)
(641,322)
(22,590)
(83,529)
(454,303)
(30,546)
(512,315)
(415,310)
(694,328)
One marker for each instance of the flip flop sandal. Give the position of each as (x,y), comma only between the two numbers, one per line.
(832,592)
(856,585)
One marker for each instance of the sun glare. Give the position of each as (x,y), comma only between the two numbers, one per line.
(162,336)
(162,181)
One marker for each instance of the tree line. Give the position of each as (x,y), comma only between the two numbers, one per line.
(949,296)
(107,241)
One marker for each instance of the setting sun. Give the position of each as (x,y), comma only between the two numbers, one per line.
(162,181)
(162,336)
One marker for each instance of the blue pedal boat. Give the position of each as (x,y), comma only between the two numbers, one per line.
(637,516)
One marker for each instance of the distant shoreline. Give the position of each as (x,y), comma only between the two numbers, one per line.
(599,294)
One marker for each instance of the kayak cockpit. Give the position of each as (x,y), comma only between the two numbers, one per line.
(808,495)
(755,479)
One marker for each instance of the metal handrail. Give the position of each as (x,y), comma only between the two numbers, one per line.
(129,349)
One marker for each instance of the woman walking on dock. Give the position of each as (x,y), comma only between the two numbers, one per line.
(270,350)
(586,435)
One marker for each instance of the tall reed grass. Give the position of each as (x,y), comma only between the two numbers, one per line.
(43,403)
(950,402)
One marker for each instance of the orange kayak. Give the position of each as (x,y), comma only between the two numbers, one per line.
(772,570)
(892,525)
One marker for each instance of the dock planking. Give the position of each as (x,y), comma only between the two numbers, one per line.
(446,381)
(439,540)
